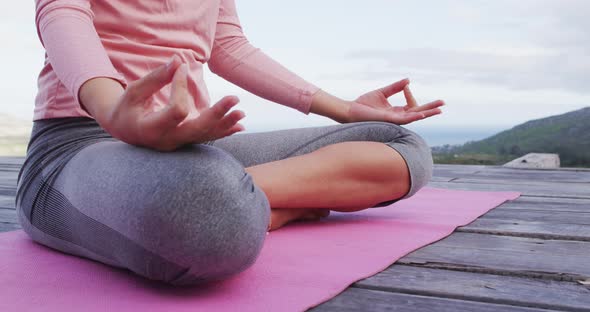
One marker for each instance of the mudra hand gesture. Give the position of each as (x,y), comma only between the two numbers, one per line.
(373,106)
(129,115)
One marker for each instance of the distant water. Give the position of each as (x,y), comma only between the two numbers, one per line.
(437,136)
(453,136)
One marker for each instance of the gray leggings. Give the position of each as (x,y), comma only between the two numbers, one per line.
(183,217)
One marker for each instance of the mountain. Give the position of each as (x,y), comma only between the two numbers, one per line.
(567,135)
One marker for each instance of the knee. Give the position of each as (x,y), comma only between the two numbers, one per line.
(415,151)
(209,226)
(418,157)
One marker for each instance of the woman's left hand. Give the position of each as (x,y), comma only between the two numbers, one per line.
(373,106)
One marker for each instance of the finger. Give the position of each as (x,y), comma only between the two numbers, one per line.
(234,129)
(204,128)
(221,134)
(410,100)
(143,88)
(230,120)
(431,105)
(200,128)
(431,112)
(179,92)
(158,125)
(166,119)
(414,116)
(395,87)
(220,108)
(229,125)
(406,118)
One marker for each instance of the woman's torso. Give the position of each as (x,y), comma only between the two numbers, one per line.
(139,36)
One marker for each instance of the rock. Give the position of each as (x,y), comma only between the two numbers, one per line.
(535,161)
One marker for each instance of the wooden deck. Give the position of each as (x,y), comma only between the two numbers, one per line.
(532,254)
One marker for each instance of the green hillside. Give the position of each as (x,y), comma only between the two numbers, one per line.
(567,135)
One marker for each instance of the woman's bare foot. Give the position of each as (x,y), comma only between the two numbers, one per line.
(281,216)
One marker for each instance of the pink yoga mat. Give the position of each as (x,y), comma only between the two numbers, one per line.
(301,265)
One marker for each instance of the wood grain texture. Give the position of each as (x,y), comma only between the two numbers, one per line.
(8,216)
(510,290)
(7,191)
(7,201)
(10,160)
(540,189)
(528,217)
(533,229)
(6,227)
(355,299)
(533,203)
(506,255)
(500,173)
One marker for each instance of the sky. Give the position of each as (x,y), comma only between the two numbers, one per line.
(495,63)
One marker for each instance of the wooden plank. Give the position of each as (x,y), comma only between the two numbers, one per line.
(7,168)
(531,182)
(12,160)
(548,223)
(500,173)
(7,202)
(355,299)
(7,191)
(545,189)
(537,217)
(513,174)
(448,170)
(561,169)
(518,256)
(532,203)
(8,216)
(489,288)
(10,169)
(457,168)
(8,181)
(573,218)
(6,227)
(441,179)
(454,171)
(555,231)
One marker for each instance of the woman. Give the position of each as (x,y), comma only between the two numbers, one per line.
(129,165)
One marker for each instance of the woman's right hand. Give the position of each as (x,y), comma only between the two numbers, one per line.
(133,118)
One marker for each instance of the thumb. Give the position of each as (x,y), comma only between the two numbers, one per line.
(146,86)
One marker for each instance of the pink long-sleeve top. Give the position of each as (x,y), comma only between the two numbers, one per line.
(126,39)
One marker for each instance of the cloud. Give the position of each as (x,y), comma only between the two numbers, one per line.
(518,45)
(559,24)
(520,71)
(555,24)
